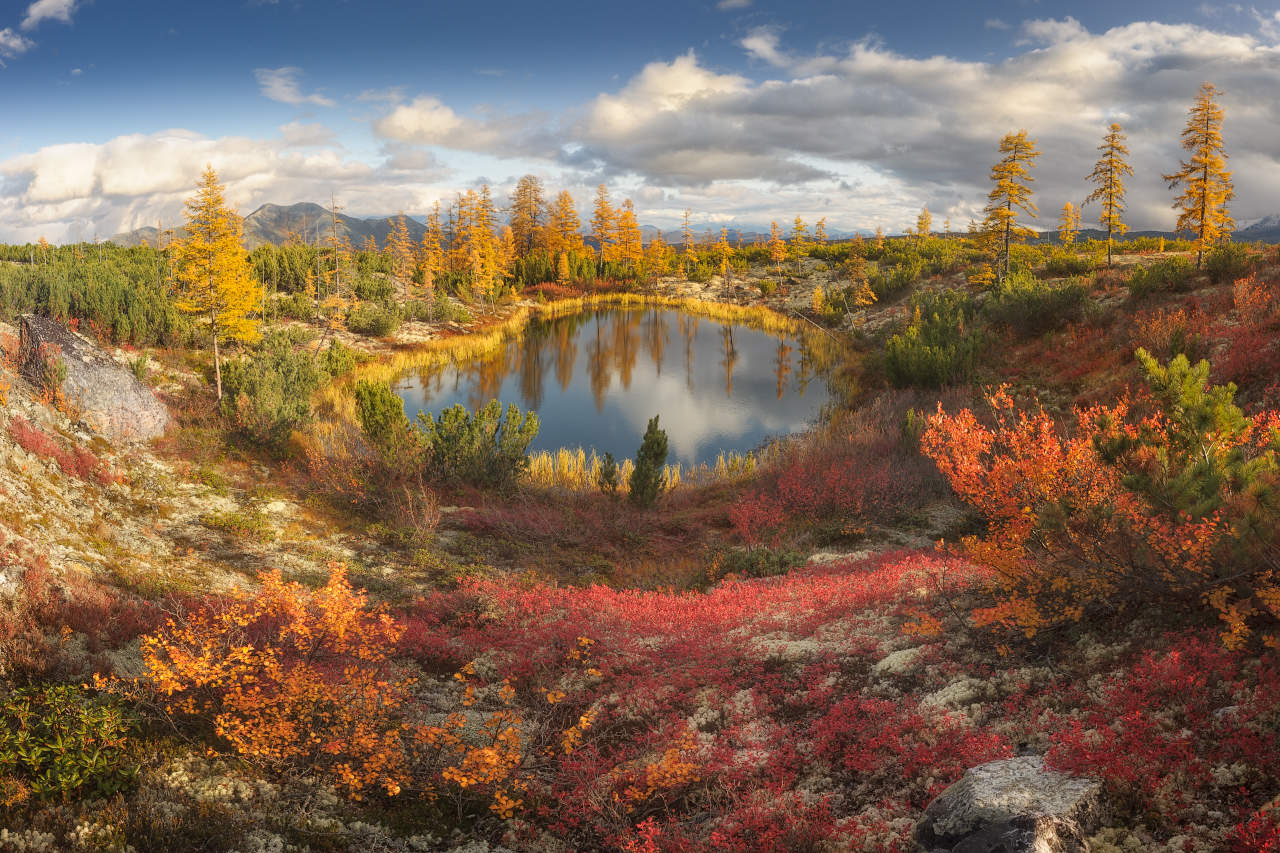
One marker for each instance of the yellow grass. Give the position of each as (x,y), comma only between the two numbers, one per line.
(576,470)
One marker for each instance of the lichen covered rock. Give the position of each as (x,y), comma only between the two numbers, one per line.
(1015,805)
(106,397)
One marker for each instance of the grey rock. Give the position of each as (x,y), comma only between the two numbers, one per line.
(105,396)
(1016,805)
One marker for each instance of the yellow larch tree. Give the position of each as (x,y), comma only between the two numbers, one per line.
(879,243)
(564,228)
(1107,178)
(603,225)
(820,232)
(1011,195)
(777,246)
(400,249)
(630,248)
(528,214)
(924,223)
(656,255)
(1202,206)
(212,270)
(431,253)
(723,253)
(688,257)
(1069,225)
(800,242)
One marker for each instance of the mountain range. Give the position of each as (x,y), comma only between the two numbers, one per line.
(274,223)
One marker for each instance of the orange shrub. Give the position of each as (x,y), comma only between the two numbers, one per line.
(290,676)
(1123,512)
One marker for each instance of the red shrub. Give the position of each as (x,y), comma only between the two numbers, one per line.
(79,462)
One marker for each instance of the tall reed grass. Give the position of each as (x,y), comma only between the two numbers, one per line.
(577,470)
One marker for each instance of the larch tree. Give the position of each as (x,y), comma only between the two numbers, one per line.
(603,224)
(431,254)
(924,223)
(800,242)
(1069,225)
(565,228)
(656,255)
(528,213)
(689,257)
(1011,195)
(1205,181)
(879,243)
(1107,178)
(630,248)
(212,270)
(777,246)
(723,253)
(819,232)
(400,249)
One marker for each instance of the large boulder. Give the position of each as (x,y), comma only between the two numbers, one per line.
(1016,805)
(106,397)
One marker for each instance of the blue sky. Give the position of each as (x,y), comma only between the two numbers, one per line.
(743,110)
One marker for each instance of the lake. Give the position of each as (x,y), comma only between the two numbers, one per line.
(596,378)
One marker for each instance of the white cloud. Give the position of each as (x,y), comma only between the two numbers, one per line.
(48,10)
(726,5)
(298,134)
(281,84)
(995,24)
(13,45)
(427,120)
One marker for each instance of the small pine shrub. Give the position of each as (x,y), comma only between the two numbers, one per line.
(374,319)
(608,478)
(268,393)
(1226,262)
(296,306)
(939,347)
(646,478)
(1032,307)
(1062,262)
(338,359)
(767,286)
(374,289)
(1168,275)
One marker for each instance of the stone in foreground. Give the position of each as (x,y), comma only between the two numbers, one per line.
(106,397)
(1016,805)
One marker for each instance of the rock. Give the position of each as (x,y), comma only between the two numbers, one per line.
(1016,805)
(106,397)
(898,662)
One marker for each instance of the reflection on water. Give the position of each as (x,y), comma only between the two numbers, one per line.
(596,378)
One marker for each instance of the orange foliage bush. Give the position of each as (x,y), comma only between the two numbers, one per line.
(289,676)
(1124,511)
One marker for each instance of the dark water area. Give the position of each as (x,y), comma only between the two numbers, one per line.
(597,377)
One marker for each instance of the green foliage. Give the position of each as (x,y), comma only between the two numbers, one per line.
(1200,455)
(1065,262)
(296,306)
(646,478)
(62,742)
(767,286)
(609,479)
(1031,306)
(374,289)
(138,367)
(481,449)
(442,310)
(374,319)
(939,347)
(1170,274)
(268,393)
(1227,262)
(119,294)
(338,359)
(761,562)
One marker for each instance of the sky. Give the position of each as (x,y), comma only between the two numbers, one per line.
(743,111)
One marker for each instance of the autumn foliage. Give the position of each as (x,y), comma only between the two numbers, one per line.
(1167,498)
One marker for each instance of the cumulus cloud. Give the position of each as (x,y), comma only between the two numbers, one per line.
(426,120)
(13,45)
(281,84)
(48,10)
(73,191)
(928,127)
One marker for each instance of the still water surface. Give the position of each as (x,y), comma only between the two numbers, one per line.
(596,378)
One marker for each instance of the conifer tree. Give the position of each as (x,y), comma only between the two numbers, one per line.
(212,270)
(1108,180)
(800,243)
(431,259)
(656,255)
(528,213)
(1011,194)
(603,224)
(646,478)
(1202,206)
(565,228)
(820,232)
(1068,224)
(879,237)
(924,223)
(777,246)
(400,248)
(723,253)
(630,248)
(689,258)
